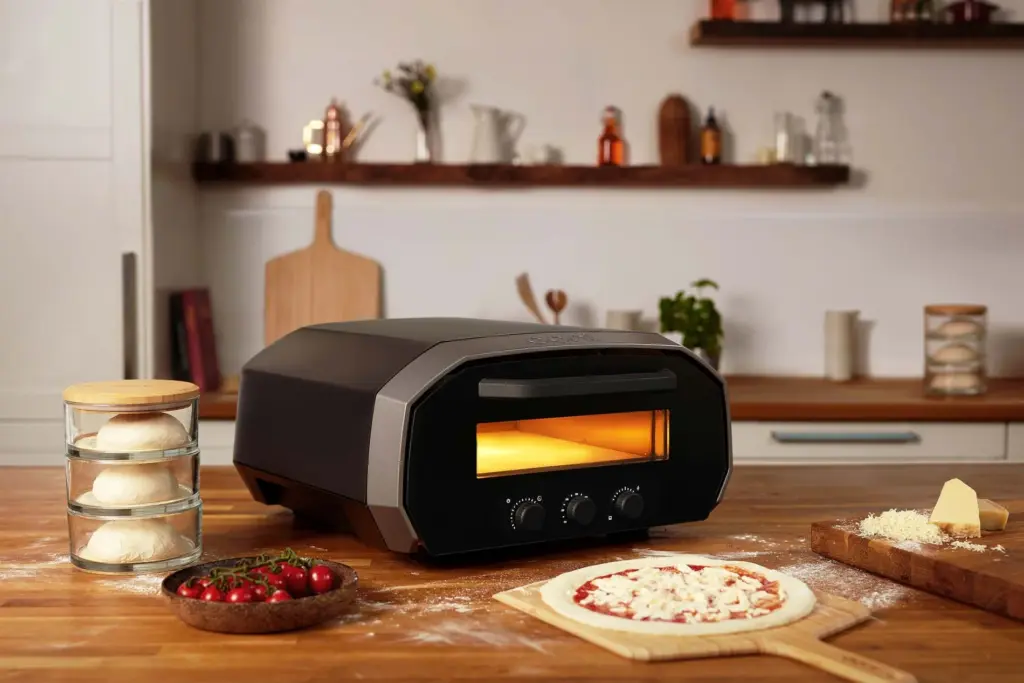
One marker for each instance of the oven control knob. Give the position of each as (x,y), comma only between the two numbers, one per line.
(529,516)
(629,504)
(581,510)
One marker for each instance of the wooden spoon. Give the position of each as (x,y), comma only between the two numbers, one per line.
(526,295)
(556,300)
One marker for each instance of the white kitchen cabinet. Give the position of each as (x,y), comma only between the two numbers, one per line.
(80,188)
(868,442)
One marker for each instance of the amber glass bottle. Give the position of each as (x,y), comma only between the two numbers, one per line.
(611,148)
(711,140)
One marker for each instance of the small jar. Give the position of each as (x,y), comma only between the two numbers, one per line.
(132,475)
(954,349)
(129,544)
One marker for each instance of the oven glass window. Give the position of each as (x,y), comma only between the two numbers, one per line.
(558,443)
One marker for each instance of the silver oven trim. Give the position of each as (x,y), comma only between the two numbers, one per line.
(384,477)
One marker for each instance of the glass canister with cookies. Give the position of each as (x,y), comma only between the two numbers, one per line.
(954,349)
(132,475)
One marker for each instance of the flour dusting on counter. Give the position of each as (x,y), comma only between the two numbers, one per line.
(143,584)
(472,632)
(872,591)
(28,570)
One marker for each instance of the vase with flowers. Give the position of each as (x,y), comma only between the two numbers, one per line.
(414,82)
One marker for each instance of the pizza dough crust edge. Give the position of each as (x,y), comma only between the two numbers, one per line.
(558,595)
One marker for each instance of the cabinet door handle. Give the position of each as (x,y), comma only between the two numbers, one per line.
(845,437)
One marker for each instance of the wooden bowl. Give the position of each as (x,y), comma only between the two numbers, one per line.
(259,617)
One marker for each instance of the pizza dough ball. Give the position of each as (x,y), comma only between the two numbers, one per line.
(135,484)
(956,381)
(134,540)
(955,353)
(958,328)
(129,432)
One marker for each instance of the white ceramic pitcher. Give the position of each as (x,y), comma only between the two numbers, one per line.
(495,135)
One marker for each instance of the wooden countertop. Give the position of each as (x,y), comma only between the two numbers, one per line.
(807,399)
(419,622)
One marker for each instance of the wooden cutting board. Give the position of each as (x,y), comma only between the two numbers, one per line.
(319,284)
(991,580)
(800,641)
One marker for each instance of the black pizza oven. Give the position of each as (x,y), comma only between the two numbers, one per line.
(451,435)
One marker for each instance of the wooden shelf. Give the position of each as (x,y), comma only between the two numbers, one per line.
(505,176)
(808,399)
(906,35)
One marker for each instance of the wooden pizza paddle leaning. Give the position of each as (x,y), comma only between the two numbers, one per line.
(633,609)
(319,284)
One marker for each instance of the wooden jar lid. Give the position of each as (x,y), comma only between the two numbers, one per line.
(955,309)
(131,392)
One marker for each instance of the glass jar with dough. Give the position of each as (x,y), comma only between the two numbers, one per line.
(96,486)
(954,349)
(128,544)
(131,418)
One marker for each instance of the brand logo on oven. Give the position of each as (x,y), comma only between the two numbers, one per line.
(558,339)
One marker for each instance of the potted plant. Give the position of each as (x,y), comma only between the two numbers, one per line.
(695,320)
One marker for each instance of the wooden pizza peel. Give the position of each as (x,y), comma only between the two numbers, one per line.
(800,641)
(319,284)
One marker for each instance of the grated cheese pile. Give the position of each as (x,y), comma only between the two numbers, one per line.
(688,596)
(902,526)
(911,526)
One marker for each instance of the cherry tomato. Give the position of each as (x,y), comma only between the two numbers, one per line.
(297,581)
(277,581)
(321,578)
(204,581)
(240,595)
(259,592)
(279,596)
(211,594)
(192,591)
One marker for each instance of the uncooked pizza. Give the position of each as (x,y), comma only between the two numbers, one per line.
(679,595)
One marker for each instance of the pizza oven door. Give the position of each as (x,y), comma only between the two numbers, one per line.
(547,446)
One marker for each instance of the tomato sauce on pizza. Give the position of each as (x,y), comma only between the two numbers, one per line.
(687,593)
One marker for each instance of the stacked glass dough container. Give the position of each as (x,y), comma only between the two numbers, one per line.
(132,475)
(954,349)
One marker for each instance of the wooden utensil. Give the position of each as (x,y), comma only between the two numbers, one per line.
(526,295)
(990,580)
(799,641)
(674,131)
(319,284)
(556,300)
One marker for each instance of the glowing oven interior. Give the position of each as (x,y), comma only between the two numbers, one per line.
(556,443)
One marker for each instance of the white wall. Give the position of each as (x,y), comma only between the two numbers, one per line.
(938,134)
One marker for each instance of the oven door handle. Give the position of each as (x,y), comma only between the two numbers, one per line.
(845,437)
(593,385)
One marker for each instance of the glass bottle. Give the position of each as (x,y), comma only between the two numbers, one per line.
(711,140)
(723,10)
(611,148)
(827,145)
(333,133)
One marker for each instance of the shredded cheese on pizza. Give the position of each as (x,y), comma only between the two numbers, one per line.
(682,593)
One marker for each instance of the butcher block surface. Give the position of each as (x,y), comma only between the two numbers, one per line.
(419,622)
(991,580)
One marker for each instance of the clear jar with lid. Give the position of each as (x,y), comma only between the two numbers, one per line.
(132,475)
(120,542)
(954,349)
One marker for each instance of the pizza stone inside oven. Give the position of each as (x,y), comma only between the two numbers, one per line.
(451,436)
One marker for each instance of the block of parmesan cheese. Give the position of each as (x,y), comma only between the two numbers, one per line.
(993,515)
(956,510)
